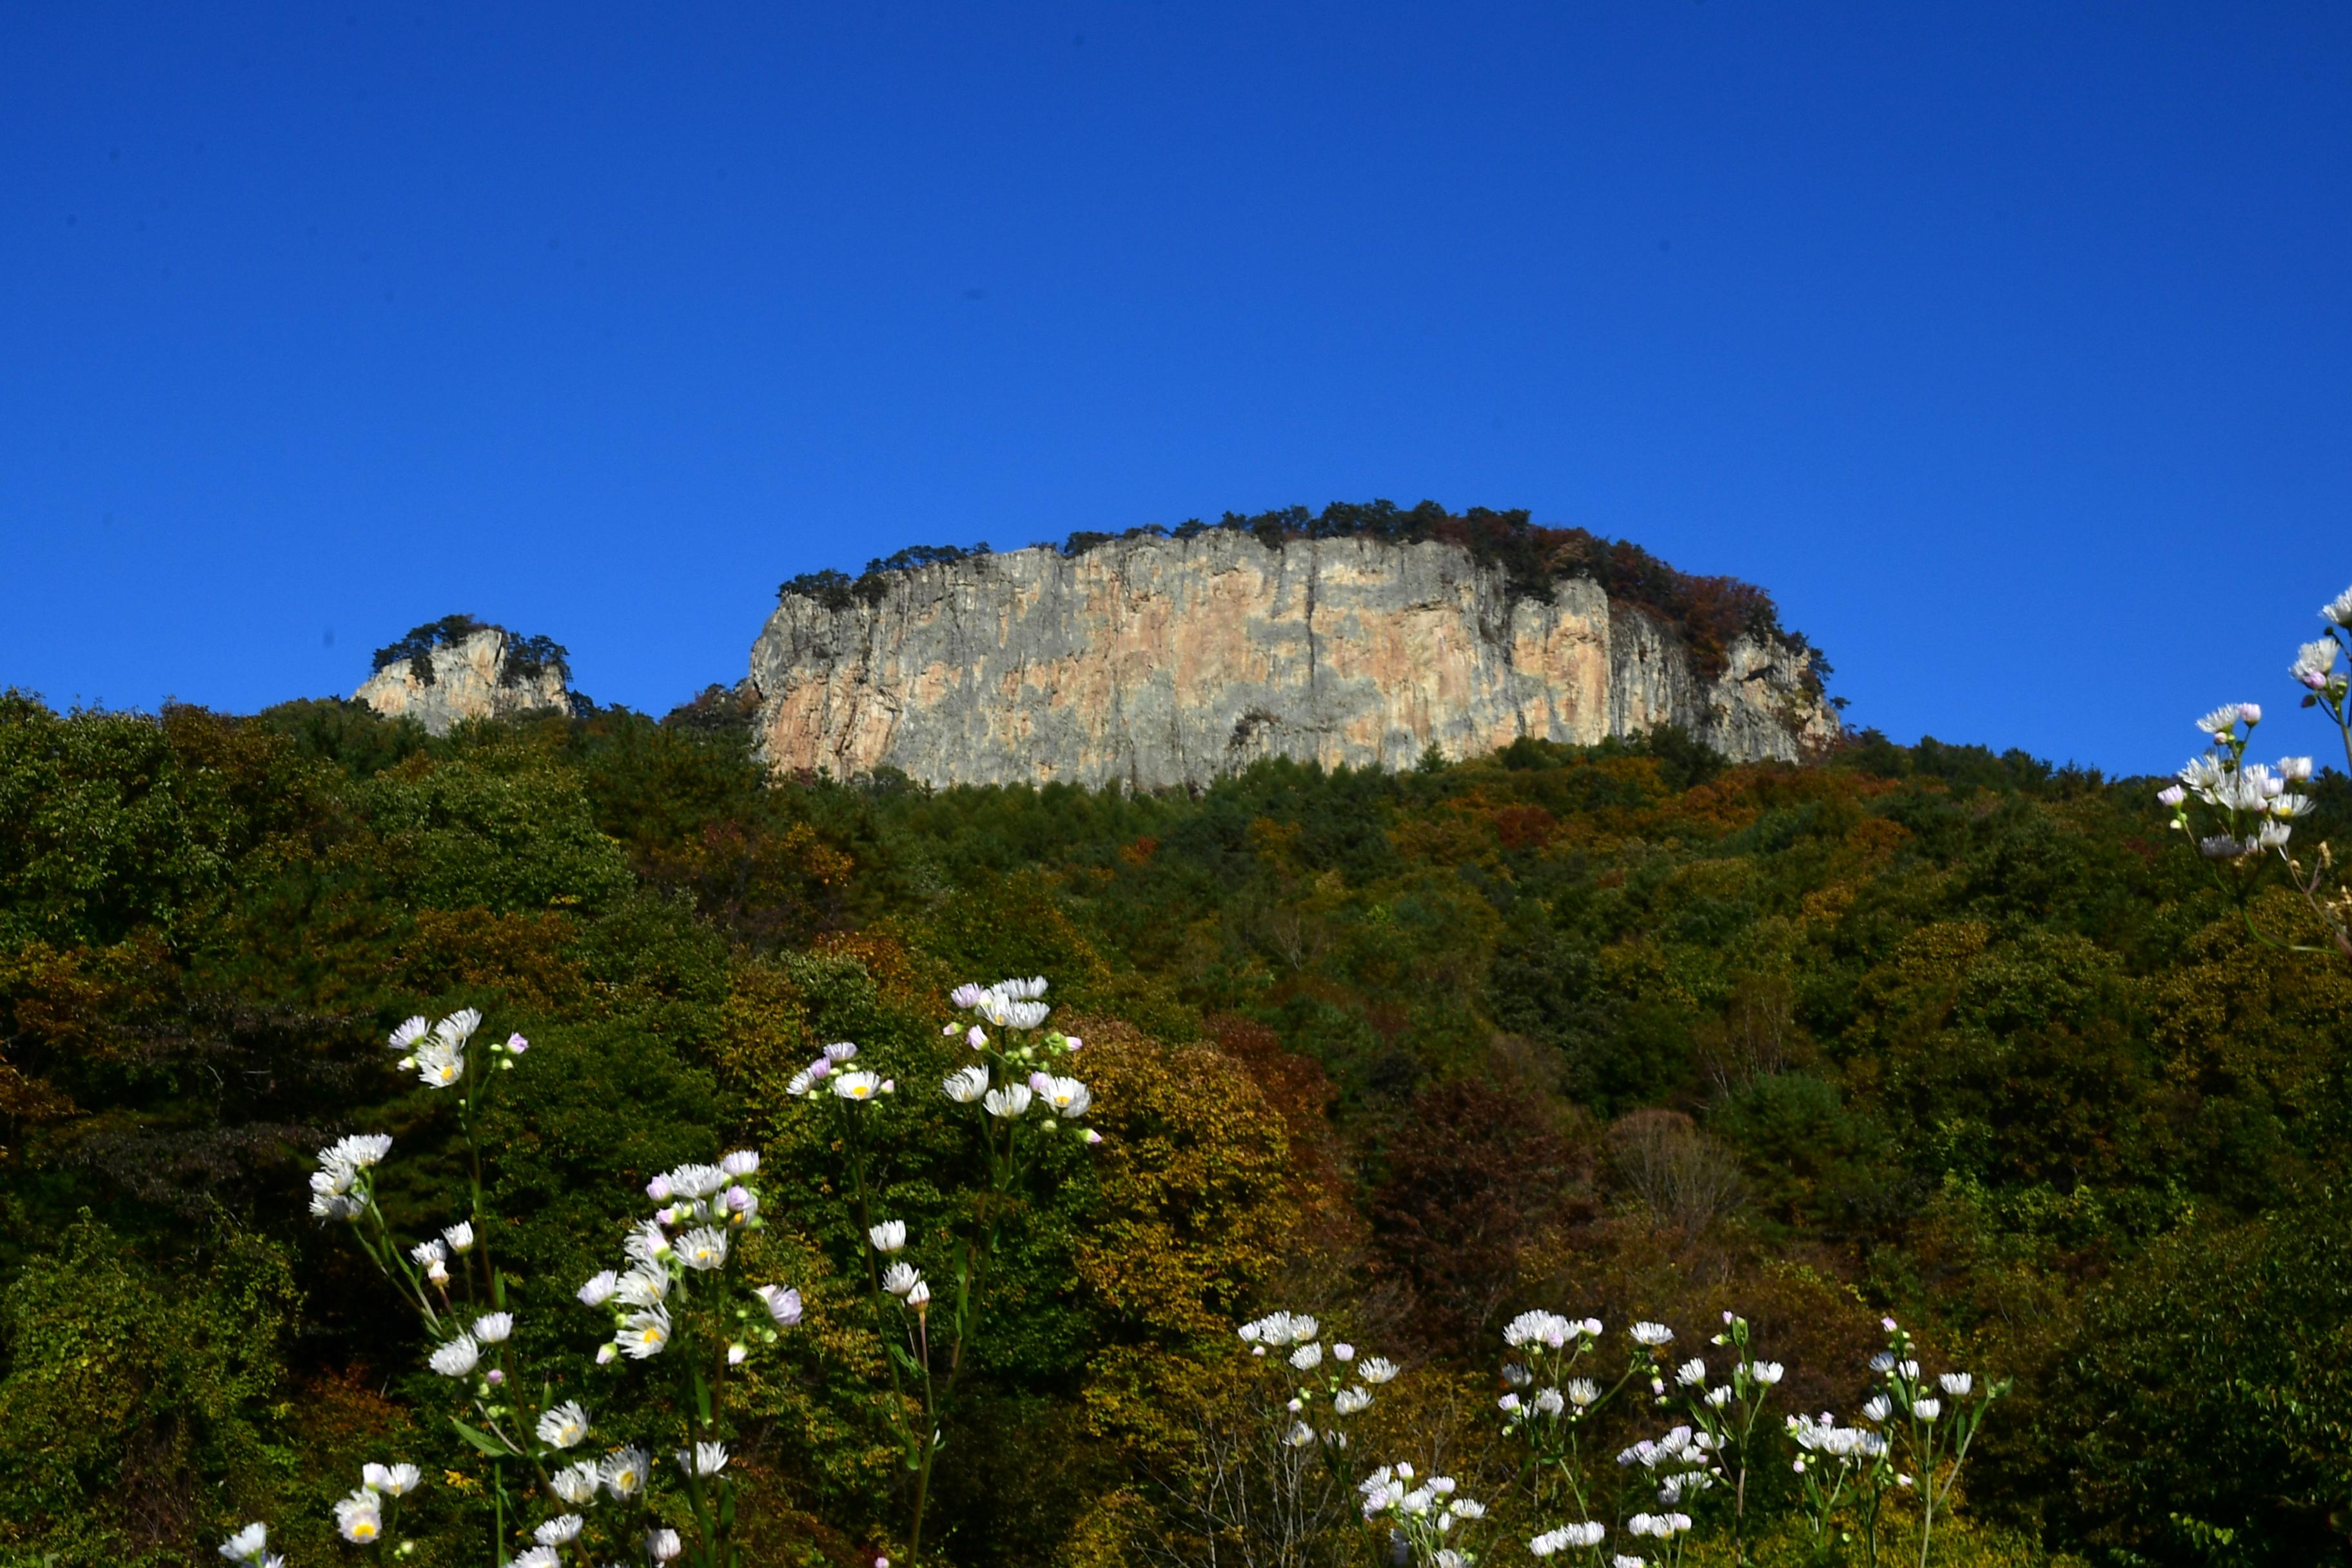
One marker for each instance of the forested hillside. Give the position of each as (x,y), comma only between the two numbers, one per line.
(1925,1032)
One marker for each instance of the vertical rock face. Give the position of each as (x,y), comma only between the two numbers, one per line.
(477,677)
(1159,662)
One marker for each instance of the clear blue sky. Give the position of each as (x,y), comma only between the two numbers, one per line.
(2007,344)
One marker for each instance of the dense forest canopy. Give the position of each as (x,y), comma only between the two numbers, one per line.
(1708,613)
(1925,1031)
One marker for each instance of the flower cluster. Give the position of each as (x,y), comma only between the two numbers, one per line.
(1012,1077)
(706,1206)
(1330,1376)
(2233,809)
(1568,1538)
(901,1279)
(831,1071)
(341,1186)
(1682,1464)
(435,1053)
(1552,1345)
(1844,1447)
(1424,1512)
(361,1518)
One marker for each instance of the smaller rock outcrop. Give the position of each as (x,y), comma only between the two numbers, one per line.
(456,668)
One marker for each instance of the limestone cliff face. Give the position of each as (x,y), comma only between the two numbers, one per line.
(1160,661)
(476,678)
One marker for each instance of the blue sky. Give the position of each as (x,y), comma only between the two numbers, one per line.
(2006,344)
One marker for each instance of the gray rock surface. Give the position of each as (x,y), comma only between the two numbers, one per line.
(1161,662)
(475,678)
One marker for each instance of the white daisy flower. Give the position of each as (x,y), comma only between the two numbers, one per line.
(249,1542)
(890,1235)
(599,1289)
(645,1285)
(646,1333)
(576,1483)
(856,1086)
(391,1480)
(1066,1098)
(493,1328)
(1008,1102)
(457,1358)
(965,1084)
(703,1250)
(563,1425)
(360,1150)
(706,1460)
(556,1532)
(359,1517)
(697,1181)
(460,1236)
(623,1472)
(409,1033)
(438,1065)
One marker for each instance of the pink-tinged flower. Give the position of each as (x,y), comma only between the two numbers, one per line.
(784,1305)
(2251,712)
(2172,795)
(517,1045)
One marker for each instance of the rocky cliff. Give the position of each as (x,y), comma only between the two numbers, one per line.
(1161,661)
(452,671)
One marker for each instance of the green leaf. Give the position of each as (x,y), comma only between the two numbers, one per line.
(482,1441)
